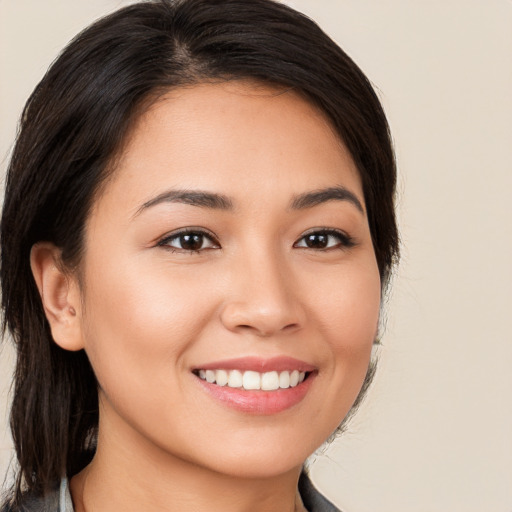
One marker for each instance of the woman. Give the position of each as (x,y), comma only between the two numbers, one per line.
(197,231)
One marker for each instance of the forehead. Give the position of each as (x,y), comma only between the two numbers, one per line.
(233,138)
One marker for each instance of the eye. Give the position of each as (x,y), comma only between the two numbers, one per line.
(323,239)
(189,240)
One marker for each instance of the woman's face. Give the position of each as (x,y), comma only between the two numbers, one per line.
(231,244)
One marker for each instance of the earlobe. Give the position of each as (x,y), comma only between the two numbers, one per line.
(60,295)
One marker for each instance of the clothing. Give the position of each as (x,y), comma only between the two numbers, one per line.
(60,499)
(312,499)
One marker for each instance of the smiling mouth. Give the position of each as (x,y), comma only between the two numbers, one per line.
(251,380)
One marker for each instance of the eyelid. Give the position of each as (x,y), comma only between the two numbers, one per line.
(164,240)
(346,240)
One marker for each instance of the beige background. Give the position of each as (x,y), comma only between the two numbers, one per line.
(436,431)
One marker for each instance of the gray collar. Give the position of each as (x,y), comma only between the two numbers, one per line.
(65,502)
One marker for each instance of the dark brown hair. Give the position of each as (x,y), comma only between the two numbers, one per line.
(72,126)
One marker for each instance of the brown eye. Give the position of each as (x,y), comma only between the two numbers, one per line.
(325,239)
(191,241)
(316,241)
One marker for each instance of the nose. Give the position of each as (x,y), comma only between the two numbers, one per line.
(262,299)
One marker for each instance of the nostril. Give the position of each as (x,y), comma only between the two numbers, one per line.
(266,331)
(260,317)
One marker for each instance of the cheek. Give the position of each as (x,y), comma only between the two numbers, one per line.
(347,314)
(139,321)
(348,307)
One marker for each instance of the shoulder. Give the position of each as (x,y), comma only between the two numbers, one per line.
(57,500)
(312,499)
(29,503)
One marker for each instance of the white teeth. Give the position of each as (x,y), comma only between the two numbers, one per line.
(284,380)
(251,380)
(268,381)
(221,377)
(235,379)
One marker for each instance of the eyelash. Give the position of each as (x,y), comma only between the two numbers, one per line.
(344,241)
(189,231)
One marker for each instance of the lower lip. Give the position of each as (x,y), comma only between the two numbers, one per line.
(257,401)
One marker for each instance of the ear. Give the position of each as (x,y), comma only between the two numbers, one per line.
(60,295)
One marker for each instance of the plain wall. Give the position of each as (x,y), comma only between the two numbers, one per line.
(435,433)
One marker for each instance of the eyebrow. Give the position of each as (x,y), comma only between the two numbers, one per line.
(198,198)
(316,197)
(212,200)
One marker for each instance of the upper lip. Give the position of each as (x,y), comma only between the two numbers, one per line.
(258,364)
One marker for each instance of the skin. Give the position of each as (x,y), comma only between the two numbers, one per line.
(148,314)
